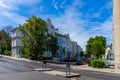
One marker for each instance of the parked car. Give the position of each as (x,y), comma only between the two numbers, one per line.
(80,62)
(110,63)
(88,60)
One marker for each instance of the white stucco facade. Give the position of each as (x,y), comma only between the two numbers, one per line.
(16,43)
(65,44)
(51,29)
(74,48)
(109,54)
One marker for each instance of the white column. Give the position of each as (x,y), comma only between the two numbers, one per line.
(116,14)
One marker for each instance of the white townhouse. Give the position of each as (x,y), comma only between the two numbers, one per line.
(74,48)
(16,43)
(51,30)
(109,54)
(67,48)
(79,50)
(64,42)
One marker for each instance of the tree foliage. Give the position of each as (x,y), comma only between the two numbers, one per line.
(52,42)
(82,54)
(96,47)
(34,36)
(5,39)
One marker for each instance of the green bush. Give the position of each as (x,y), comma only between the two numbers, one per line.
(8,53)
(25,56)
(97,63)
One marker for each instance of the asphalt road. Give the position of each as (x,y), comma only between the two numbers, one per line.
(11,67)
(21,70)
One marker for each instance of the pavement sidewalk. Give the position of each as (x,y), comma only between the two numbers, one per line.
(106,70)
(22,59)
(75,67)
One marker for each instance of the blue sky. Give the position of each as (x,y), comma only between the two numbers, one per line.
(80,18)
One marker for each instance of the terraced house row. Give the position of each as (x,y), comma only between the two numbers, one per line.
(68,49)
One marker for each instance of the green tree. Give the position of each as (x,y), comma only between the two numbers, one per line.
(96,47)
(5,41)
(34,37)
(52,42)
(82,54)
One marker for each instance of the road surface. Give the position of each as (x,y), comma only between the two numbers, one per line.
(11,69)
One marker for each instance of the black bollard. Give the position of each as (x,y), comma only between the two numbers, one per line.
(68,69)
(44,65)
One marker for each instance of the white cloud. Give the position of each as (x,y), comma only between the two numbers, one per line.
(78,4)
(20,2)
(63,4)
(108,5)
(3,5)
(71,22)
(93,14)
(9,8)
(104,29)
(55,4)
(81,30)
(13,19)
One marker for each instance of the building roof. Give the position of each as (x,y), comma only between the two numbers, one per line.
(14,29)
(62,35)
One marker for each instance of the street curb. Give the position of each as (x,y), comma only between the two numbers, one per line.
(42,70)
(69,76)
(112,72)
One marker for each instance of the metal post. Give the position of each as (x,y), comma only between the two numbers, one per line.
(45,65)
(68,69)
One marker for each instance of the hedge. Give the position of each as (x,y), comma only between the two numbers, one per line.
(97,63)
(8,53)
